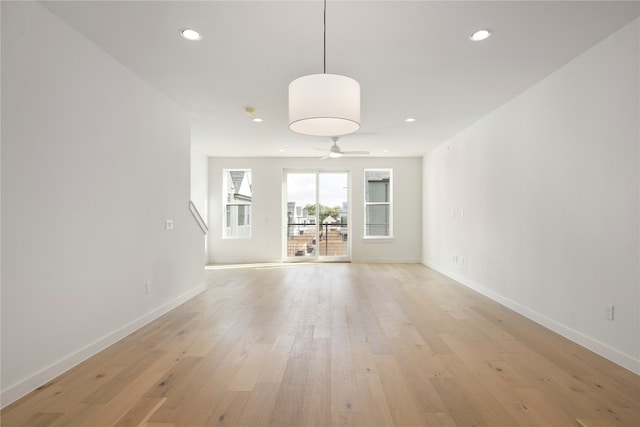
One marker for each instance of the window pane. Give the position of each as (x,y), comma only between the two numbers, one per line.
(378,191)
(240,215)
(377,186)
(377,220)
(237,187)
(378,202)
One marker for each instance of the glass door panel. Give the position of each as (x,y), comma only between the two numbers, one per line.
(302,228)
(317,209)
(334,214)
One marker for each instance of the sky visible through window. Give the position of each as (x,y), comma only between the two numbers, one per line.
(301,188)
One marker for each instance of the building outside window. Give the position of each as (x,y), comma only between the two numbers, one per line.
(237,193)
(378,206)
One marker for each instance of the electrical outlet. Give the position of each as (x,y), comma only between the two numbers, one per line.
(608,312)
(147,287)
(168,224)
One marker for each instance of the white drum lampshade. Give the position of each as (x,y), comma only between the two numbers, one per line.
(324,105)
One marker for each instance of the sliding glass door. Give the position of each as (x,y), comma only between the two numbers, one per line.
(317,222)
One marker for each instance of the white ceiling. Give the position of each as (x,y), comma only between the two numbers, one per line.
(411,58)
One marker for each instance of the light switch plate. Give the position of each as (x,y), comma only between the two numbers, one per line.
(608,312)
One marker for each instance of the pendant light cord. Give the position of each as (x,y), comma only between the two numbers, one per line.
(324,69)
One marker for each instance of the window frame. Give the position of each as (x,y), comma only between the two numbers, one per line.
(244,230)
(389,203)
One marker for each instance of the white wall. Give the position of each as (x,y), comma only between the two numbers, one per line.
(200,188)
(93,162)
(549,186)
(267,210)
(200,182)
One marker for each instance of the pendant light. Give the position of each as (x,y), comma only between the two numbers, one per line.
(324,104)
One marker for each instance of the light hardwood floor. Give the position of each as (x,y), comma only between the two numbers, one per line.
(337,345)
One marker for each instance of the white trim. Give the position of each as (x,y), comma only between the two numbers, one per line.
(389,203)
(284,206)
(225,226)
(235,260)
(220,262)
(625,360)
(16,391)
(369,260)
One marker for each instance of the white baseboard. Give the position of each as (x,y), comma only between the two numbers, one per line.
(604,350)
(16,391)
(387,261)
(233,261)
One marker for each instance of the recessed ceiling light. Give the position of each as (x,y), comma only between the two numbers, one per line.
(385,151)
(480,35)
(410,120)
(256,119)
(190,34)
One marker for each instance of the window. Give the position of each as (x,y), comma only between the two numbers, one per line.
(377,203)
(237,193)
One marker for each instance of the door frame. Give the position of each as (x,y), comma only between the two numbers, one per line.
(284,232)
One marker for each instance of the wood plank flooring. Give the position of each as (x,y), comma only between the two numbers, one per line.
(337,345)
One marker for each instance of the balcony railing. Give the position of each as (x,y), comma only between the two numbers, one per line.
(317,240)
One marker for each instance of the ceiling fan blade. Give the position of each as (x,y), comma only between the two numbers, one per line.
(355,152)
(322,149)
(324,157)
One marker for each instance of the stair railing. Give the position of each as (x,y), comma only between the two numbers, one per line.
(198,217)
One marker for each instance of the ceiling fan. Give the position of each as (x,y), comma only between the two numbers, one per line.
(335,151)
